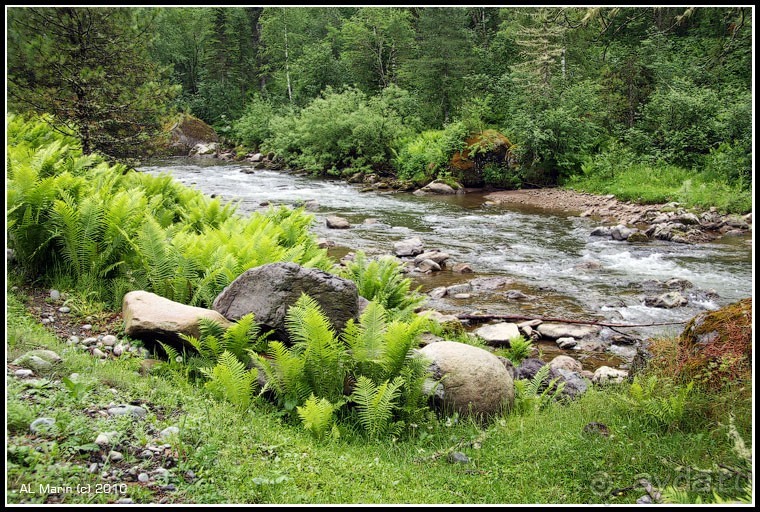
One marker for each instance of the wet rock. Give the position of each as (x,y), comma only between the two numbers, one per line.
(437,256)
(566,342)
(637,237)
(462,295)
(461,268)
(620,232)
(437,293)
(335,222)
(459,288)
(498,335)
(515,295)
(666,300)
(604,231)
(410,247)
(428,266)
(557,330)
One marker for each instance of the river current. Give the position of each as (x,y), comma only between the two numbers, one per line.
(547,255)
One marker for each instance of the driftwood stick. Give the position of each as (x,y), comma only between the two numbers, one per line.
(561,320)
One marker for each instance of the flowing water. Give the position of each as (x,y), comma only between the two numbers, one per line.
(548,255)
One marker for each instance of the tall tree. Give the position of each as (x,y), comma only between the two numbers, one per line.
(88,66)
(375,40)
(443,57)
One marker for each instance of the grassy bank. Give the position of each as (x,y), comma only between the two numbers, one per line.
(225,455)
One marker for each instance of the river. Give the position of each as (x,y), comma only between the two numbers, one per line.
(547,255)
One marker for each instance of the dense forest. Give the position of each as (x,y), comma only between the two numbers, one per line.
(582,94)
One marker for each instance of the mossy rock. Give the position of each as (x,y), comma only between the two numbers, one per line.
(181,133)
(716,347)
(485,147)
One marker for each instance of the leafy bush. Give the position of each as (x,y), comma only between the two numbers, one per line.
(340,130)
(253,128)
(426,156)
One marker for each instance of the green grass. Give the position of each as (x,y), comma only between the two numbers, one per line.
(650,184)
(254,456)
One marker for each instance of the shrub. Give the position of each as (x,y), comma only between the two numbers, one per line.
(340,130)
(253,127)
(426,156)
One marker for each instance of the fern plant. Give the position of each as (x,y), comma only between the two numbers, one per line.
(375,405)
(230,380)
(318,416)
(239,339)
(519,348)
(532,395)
(382,281)
(659,401)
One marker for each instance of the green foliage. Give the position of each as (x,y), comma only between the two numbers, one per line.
(659,401)
(519,349)
(230,380)
(252,128)
(112,231)
(536,394)
(239,339)
(339,130)
(318,416)
(426,156)
(382,281)
(325,366)
(375,404)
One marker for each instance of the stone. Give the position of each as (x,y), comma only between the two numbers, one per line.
(462,295)
(410,247)
(437,256)
(109,340)
(620,232)
(498,335)
(558,330)
(64,309)
(428,266)
(567,363)
(23,373)
(55,294)
(607,375)
(467,379)
(458,458)
(575,385)
(115,456)
(442,319)
(566,342)
(38,360)
(169,432)
(150,317)
(459,288)
(41,425)
(461,268)
(269,290)
(106,438)
(335,222)
(667,300)
(143,478)
(123,410)
(437,293)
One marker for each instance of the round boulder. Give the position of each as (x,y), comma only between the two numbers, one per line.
(268,292)
(469,380)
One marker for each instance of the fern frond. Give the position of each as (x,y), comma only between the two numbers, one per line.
(317,415)
(230,380)
(375,404)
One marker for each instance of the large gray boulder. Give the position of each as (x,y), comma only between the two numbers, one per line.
(470,380)
(269,290)
(152,318)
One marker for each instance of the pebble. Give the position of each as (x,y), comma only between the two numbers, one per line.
(86,327)
(124,501)
(106,438)
(89,341)
(115,456)
(46,321)
(55,294)
(98,353)
(41,424)
(118,350)
(169,431)
(23,373)
(109,340)
(64,309)
(93,468)
(462,295)
(143,477)
(190,474)
(121,410)
(162,472)
(146,454)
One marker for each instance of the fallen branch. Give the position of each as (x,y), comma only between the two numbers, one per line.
(485,318)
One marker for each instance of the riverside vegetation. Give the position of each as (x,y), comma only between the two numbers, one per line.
(96,230)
